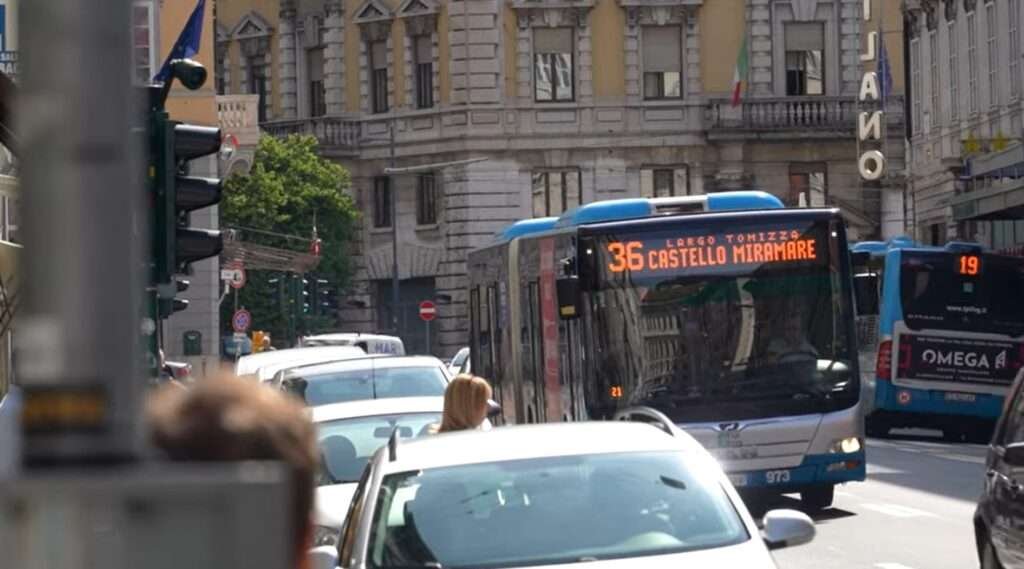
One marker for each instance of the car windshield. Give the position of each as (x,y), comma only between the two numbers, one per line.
(560,510)
(368,383)
(346,445)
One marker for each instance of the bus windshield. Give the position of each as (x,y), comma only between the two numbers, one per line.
(735,322)
(967,292)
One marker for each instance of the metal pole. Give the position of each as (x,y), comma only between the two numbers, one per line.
(394,230)
(428,338)
(79,337)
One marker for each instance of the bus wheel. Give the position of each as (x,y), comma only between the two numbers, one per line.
(818,498)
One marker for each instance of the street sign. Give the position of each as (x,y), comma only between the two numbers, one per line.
(241,320)
(234,275)
(428,311)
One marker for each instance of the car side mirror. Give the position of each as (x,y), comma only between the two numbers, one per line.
(493,408)
(787,528)
(323,557)
(1013,454)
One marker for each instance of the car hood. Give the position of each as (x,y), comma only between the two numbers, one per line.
(332,504)
(751,554)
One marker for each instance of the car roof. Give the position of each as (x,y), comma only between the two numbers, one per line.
(371,363)
(535,441)
(253,362)
(371,407)
(352,335)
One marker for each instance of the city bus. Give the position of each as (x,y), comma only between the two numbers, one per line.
(941,335)
(725,313)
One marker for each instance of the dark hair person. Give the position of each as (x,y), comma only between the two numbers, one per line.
(229,419)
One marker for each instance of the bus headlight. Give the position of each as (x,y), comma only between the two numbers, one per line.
(847,445)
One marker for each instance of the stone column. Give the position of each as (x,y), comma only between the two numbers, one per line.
(759,26)
(334,58)
(286,44)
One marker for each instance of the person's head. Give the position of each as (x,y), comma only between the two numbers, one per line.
(228,419)
(465,403)
(793,326)
(265,342)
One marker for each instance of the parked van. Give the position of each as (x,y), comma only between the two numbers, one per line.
(370,343)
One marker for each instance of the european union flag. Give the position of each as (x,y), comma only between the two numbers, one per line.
(187,44)
(883,70)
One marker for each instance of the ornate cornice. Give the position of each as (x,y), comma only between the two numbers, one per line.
(570,13)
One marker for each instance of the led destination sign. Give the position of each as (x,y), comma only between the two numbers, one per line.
(650,254)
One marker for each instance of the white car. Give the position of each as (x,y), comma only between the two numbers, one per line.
(368,378)
(264,364)
(461,357)
(349,434)
(371,343)
(608,494)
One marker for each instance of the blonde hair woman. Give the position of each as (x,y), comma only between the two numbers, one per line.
(465,403)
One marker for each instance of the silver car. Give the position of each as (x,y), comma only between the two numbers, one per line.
(609,494)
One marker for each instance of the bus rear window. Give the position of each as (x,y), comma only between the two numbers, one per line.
(973,293)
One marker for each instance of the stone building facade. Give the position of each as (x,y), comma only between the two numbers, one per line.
(965,124)
(569,101)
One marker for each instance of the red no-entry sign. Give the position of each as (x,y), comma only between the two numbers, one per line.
(428,311)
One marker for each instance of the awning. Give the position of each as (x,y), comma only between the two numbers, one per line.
(1002,198)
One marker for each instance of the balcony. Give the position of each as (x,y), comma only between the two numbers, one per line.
(793,117)
(239,115)
(341,133)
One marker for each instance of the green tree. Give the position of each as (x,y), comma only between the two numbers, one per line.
(288,187)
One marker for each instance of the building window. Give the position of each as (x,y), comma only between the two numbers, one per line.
(424,71)
(805,63)
(1013,16)
(258,85)
(807,185)
(381,201)
(915,82)
(555,192)
(553,64)
(933,64)
(662,62)
(664,182)
(426,199)
(143,52)
(993,55)
(379,76)
(317,92)
(972,63)
(954,72)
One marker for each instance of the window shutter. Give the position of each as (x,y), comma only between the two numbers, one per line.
(552,40)
(424,49)
(805,36)
(379,55)
(662,48)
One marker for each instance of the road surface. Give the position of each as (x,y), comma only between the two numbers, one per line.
(914,511)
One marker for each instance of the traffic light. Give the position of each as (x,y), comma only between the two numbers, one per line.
(177,194)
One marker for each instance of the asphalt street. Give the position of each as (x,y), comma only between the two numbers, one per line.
(913,512)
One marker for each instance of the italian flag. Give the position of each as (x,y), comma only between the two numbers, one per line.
(739,74)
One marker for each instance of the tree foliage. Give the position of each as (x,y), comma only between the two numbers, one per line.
(288,187)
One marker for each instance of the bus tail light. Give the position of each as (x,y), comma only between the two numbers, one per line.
(883,366)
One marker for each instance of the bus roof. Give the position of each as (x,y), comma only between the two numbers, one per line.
(880,248)
(637,208)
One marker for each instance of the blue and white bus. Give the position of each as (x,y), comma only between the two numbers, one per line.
(725,313)
(942,335)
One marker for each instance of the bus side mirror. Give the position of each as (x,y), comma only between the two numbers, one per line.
(568,289)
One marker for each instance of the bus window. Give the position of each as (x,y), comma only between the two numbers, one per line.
(865,294)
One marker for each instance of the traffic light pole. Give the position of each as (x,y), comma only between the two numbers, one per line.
(79,341)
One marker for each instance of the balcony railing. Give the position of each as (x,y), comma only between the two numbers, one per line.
(339,132)
(239,115)
(795,113)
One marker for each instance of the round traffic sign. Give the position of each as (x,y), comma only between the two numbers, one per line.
(241,320)
(238,278)
(903,397)
(428,311)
